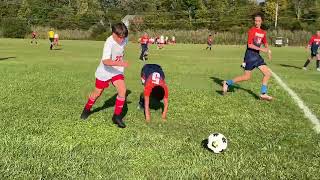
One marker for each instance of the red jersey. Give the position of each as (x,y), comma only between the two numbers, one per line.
(34,34)
(315,40)
(209,40)
(144,40)
(257,37)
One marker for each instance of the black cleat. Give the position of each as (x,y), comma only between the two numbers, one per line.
(85,114)
(116,119)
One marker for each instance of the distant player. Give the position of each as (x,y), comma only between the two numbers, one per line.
(51,38)
(110,70)
(314,45)
(56,39)
(173,40)
(256,37)
(161,42)
(144,40)
(34,37)
(153,79)
(209,42)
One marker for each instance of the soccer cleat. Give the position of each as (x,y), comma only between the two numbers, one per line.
(118,120)
(85,114)
(304,68)
(224,87)
(265,97)
(318,69)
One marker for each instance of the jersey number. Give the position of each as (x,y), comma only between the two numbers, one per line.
(259,40)
(156,78)
(118,58)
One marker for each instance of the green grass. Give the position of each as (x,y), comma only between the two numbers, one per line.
(43,93)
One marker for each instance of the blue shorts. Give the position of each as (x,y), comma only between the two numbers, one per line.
(253,60)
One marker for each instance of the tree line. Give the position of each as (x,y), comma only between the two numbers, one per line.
(17,16)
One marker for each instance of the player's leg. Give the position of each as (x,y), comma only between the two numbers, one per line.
(246,76)
(94,95)
(51,43)
(266,76)
(308,61)
(121,89)
(141,101)
(210,46)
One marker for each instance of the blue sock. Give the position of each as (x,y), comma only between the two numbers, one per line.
(264,89)
(230,82)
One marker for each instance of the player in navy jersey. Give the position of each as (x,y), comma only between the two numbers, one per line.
(256,38)
(153,79)
(314,45)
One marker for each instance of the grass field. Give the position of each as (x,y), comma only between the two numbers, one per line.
(43,93)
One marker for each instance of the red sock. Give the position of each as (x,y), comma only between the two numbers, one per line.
(119,105)
(89,104)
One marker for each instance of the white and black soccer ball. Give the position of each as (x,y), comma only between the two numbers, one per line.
(217,142)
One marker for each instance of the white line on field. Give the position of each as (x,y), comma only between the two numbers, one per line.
(307,112)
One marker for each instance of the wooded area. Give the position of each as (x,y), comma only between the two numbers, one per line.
(18,16)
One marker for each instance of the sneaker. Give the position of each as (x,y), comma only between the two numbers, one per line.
(118,120)
(265,97)
(85,114)
(224,87)
(318,69)
(304,68)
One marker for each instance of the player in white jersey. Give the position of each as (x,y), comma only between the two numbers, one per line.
(111,69)
(56,39)
(161,42)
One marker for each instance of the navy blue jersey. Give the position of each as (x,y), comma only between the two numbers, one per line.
(149,69)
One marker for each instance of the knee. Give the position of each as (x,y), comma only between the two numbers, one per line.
(95,95)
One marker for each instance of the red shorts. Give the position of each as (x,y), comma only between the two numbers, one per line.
(105,84)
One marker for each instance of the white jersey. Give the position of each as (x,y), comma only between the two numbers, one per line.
(114,51)
(161,39)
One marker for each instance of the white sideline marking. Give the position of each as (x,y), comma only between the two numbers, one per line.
(307,112)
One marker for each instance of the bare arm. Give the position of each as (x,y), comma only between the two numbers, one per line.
(252,46)
(109,62)
(146,108)
(165,109)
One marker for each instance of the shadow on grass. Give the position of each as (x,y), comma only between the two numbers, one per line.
(111,102)
(57,49)
(204,144)
(6,58)
(290,66)
(232,88)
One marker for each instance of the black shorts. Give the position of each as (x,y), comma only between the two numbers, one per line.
(314,54)
(51,39)
(253,60)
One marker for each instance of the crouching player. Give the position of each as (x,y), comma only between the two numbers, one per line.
(110,70)
(153,79)
(256,37)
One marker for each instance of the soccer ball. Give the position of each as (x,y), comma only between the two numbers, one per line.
(217,142)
